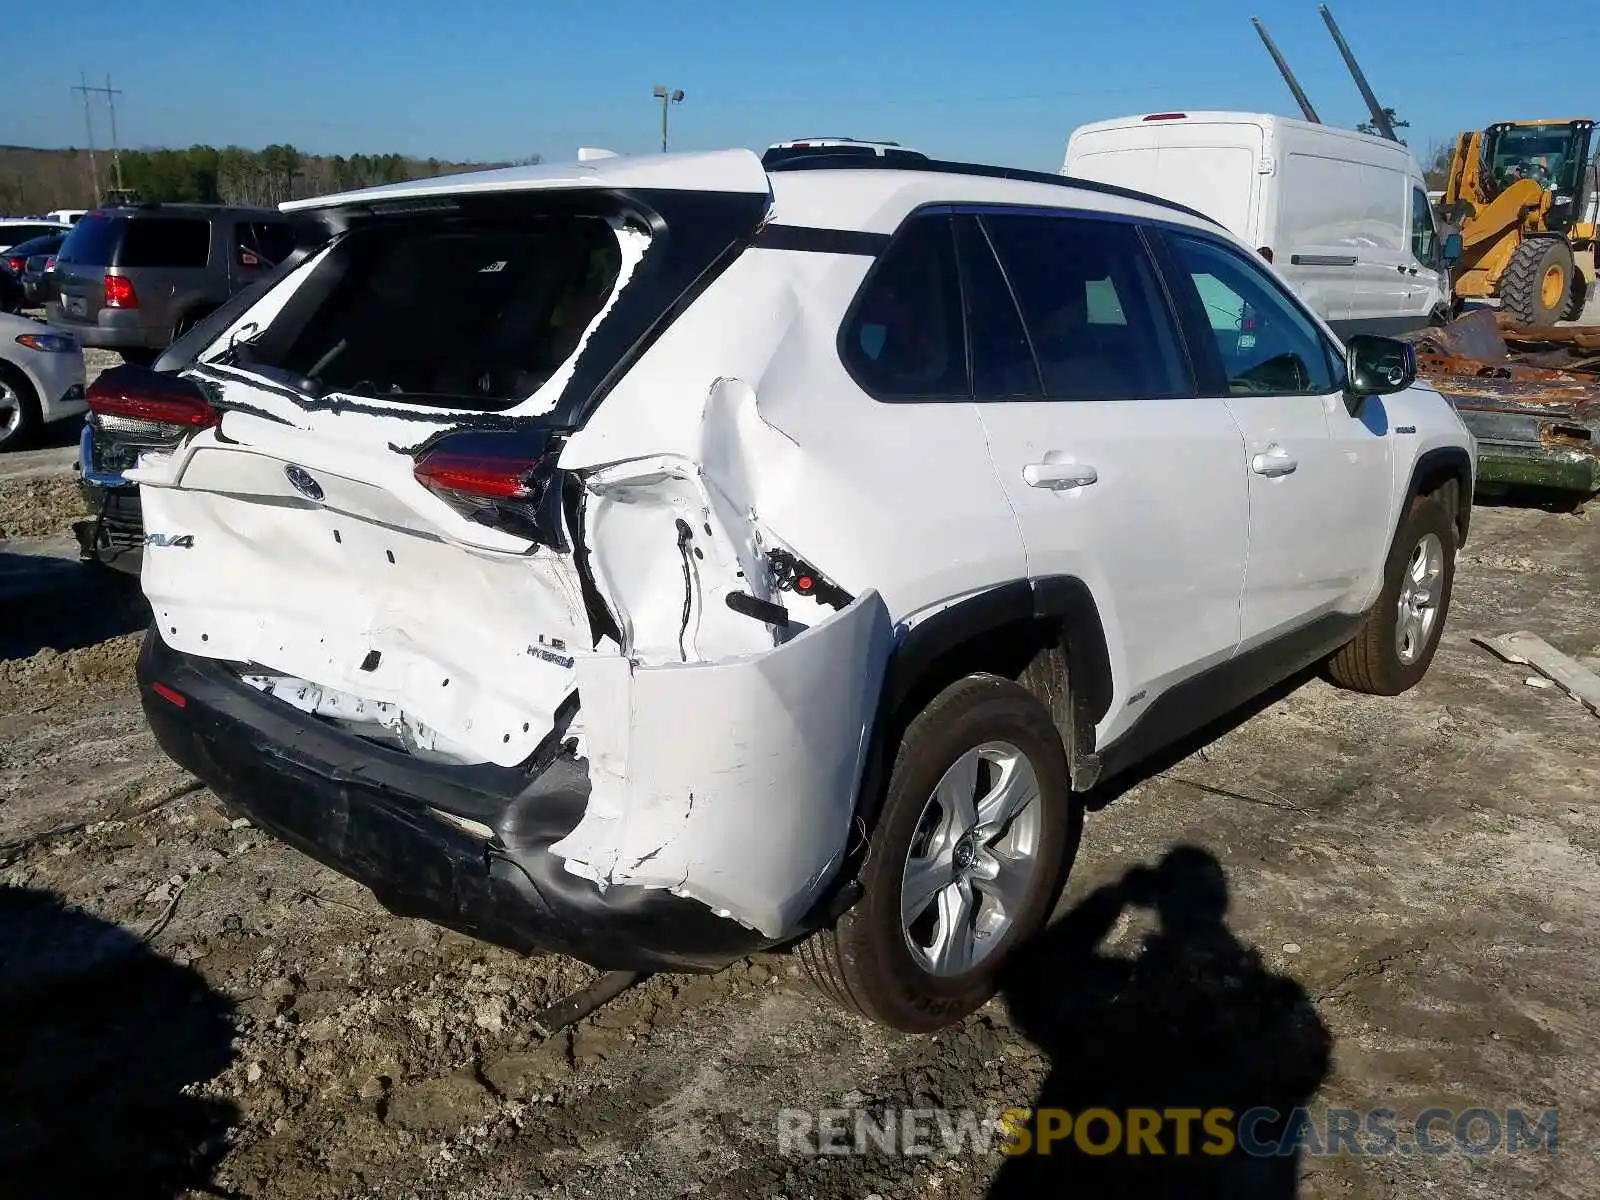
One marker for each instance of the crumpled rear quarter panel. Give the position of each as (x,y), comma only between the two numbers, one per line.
(733,783)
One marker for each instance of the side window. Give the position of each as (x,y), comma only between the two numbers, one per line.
(1093,307)
(263,243)
(1267,345)
(905,338)
(1002,360)
(165,242)
(1424,239)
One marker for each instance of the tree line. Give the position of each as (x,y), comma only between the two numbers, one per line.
(35,181)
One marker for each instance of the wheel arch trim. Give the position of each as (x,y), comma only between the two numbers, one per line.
(1440,465)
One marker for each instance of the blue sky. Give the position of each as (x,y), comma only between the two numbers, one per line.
(993,81)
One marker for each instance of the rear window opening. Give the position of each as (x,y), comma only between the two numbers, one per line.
(464,314)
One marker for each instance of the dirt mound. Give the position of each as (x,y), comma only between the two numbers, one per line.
(109,662)
(40,506)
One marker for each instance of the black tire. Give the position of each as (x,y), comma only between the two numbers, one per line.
(1371,662)
(1523,292)
(865,962)
(17,424)
(1580,296)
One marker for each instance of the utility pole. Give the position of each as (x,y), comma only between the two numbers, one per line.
(111,94)
(116,150)
(668,97)
(83,90)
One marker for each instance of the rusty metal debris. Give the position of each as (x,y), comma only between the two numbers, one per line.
(1530,397)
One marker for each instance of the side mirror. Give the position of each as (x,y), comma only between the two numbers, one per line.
(1452,251)
(1378,366)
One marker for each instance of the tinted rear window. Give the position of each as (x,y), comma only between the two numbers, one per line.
(138,242)
(12,232)
(92,242)
(905,339)
(39,245)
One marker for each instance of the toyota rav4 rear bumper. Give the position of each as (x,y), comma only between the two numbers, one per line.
(465,847)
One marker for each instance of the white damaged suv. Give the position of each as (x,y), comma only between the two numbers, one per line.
(658,560)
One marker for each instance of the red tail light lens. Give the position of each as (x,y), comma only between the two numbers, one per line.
(504,479)
(1167,117)
(164,403)
(120,293)
(50,263)
(16,262)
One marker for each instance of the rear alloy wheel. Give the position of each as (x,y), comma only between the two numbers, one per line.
(19,409)
(965,863)
(972,859)
(1399,636)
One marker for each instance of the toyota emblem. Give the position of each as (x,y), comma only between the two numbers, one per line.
(303,482)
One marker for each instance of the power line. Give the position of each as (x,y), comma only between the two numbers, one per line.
(111,94)
(85,89)
(88,127)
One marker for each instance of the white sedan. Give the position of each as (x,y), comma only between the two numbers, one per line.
(41,378)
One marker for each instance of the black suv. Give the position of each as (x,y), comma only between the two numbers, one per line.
(135,278)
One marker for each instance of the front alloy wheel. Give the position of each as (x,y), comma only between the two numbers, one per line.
(1421,588)
(1397,638)
(18,411)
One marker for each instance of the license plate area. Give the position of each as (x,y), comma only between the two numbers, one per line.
(77,306)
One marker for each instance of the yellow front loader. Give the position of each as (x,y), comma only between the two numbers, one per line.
(1523,193)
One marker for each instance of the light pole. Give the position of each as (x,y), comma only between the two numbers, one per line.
(668,97)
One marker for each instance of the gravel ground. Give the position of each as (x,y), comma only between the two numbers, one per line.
(1411,902)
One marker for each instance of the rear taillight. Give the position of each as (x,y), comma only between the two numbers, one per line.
(120,293)
(17,263)
(506,479)
(1167,117)
(139,403)
(50,263)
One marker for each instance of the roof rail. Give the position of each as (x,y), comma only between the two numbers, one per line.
(983,170)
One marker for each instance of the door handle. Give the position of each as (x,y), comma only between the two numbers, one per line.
(1059,476)
(1274,463)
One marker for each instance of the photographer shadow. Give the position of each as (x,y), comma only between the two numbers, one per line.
(1195,1021)
(102,1046)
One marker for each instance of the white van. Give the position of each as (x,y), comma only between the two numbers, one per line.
(1343,216)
